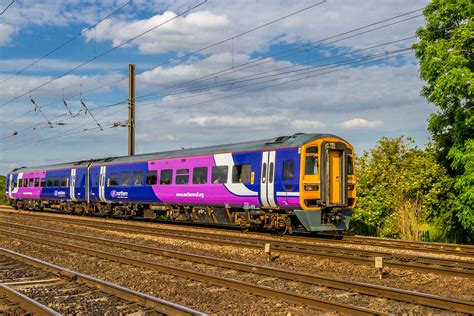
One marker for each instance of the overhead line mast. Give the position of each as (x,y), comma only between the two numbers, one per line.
(131,109)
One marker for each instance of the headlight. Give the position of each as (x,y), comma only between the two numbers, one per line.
(311,187)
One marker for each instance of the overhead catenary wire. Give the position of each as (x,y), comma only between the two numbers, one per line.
(378,58)
(64,43)
(208,46)
(7,7)
(104,53)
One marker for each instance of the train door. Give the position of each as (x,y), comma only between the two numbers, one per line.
(334,186)
(334,160)
(72,186)
(102,184)
(267,179)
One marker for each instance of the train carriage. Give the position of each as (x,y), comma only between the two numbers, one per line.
(303,180)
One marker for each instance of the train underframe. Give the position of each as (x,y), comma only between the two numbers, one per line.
(281,221)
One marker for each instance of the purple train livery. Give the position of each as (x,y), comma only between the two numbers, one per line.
(303,181)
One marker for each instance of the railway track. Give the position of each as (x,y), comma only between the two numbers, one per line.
(454,267)
(358,287)
(258,290)
(26,280)
(460,250)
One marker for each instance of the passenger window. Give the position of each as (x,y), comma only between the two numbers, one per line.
(241,173)
(20,183)
(64,182)
(219,174)
(125,179)
(43,182)
(200,175)
(25,183)
(138,178)
(182,176)
(113,180)
(49,182)
(151,177)
(288,170)
(55,182)
(37,182)
(350,165)
(31,182)
(264,172)
(166,176)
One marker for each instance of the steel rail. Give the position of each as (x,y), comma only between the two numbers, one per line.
(124,293)
(259,290)
(451,267)
(409,245)
(359,287)
(29,305)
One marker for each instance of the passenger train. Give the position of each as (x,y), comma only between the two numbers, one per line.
(303,181)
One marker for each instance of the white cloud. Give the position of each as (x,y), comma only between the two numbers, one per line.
(6,33)
(361,123)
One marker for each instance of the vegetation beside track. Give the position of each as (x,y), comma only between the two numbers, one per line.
(3,201)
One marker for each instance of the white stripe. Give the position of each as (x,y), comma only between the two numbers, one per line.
(263,186)
(271,185)
(238,189)
(288,194)
(10,182)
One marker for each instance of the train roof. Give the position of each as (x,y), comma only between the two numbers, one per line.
(294,140)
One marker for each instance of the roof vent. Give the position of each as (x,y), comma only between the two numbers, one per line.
(279,139)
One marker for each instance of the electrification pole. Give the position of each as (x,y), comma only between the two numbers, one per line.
(131,109)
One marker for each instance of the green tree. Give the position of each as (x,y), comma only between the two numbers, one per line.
(2,190)
(397,177)
(445,53)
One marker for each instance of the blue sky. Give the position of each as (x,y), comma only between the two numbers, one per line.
(208,97)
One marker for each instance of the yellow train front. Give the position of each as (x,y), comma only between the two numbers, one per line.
(327,184)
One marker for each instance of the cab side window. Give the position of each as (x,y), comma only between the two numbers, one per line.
(288,170)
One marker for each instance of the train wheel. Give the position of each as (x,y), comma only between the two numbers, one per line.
(283,227)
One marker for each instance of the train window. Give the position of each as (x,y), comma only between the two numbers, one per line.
(64,182)
(49,182)
(25,183)
(31,182)
(37,182)
(20,183)
(151,177)
(241,173)
(42,182)
(312,150)
(113,180)
(55,182)
(270,180)
(264,172)
(138,178)
(219,174)
(182,176)
(350,165)
(200,175)
(125,179)
(166,176)
(96,179)
(288,170)
(311,165)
